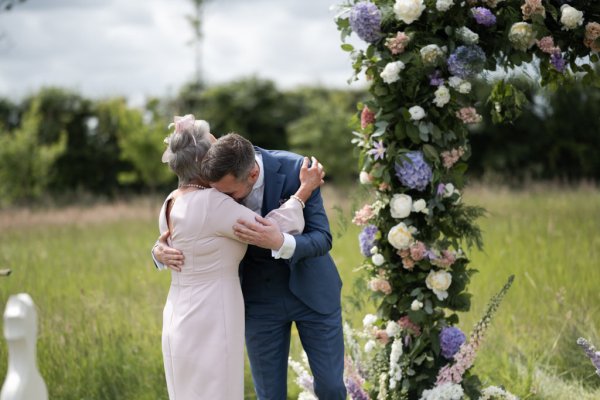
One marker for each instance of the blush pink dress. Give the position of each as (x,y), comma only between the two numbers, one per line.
(203,318)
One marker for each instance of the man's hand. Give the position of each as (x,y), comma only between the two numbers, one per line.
(168,256)
(264,233)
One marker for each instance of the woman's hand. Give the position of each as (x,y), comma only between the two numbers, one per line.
(311,177)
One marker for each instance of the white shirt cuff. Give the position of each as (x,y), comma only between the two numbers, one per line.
(287,248)
(159,266)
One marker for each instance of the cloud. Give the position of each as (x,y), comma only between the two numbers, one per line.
(141,47)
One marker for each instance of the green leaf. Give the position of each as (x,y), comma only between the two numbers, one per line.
(431,153)
(413,133)
(347,47)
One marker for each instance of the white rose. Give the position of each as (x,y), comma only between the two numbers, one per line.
(448,190)
(416,305)
(432,54)
(467,36)
(464,87)
(365,178)
(420,206)
(444,5)
(378,260)
(459,84)
(570,17)
(400,236)
(391,72)
(369,346)
(442,96)
(439,282)
(400,205)
(416,113)
(409,11)
(374,250)
(392,329)
(369,320)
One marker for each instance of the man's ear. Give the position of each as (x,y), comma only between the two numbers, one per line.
(254,172)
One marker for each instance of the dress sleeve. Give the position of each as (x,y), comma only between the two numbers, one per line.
(289,216)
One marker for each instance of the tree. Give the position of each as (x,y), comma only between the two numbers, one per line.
(26,164)
(322,131)
(140,144)
(252,107)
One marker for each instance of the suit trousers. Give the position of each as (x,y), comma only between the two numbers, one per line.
(269,316)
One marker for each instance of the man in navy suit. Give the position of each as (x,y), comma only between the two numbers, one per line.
(298,283)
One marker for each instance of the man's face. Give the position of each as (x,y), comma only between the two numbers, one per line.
(238,189)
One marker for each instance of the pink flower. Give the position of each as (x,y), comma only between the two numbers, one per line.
(417,251)
(403,253)
(398,43)
(445,261)
(366,117)
(383,186)
(382,336)
(380,285)
(592,33)
(362,216)
(406,323)
(546,44)
(468,115)
(532,7)
(408,263)
(450,157)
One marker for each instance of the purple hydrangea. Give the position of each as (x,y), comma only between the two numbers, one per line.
(416,173)
(451,339)
(466,61)
(367,239)
(435,79)
(483,16)
(365,20)
(558,62)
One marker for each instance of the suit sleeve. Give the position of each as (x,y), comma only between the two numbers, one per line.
(316,239)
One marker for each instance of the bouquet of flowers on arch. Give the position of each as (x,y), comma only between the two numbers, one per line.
(420,58)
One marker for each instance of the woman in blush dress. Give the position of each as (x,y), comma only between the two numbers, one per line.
(203,318)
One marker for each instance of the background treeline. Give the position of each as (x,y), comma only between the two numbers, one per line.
(56,143)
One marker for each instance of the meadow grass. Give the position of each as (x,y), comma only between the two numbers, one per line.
(100,300)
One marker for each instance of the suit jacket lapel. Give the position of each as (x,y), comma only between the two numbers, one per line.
(273,182)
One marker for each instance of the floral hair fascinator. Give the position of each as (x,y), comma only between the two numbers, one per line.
(181,124)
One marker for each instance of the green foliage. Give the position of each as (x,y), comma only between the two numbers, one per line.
(140,144)
(100,300)
(555,138)
(420,72)
(323,131)
(253,108)
(25,163)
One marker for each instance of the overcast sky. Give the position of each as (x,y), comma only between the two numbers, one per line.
(140,47)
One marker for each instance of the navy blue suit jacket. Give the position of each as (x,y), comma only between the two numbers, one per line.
(312,274)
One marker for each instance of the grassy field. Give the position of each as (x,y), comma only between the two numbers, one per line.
(100,300)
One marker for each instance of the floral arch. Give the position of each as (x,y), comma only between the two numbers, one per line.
(420,57)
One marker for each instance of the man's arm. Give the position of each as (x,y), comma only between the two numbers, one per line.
(163,255)
(316,239)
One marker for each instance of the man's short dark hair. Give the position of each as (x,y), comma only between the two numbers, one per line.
(231,154)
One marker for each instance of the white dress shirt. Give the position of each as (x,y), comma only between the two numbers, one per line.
(254,202)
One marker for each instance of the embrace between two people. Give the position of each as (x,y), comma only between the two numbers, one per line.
(247,240)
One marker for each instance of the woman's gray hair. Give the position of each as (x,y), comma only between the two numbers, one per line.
(187,149)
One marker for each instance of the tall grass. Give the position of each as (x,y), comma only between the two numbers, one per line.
(100,300)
